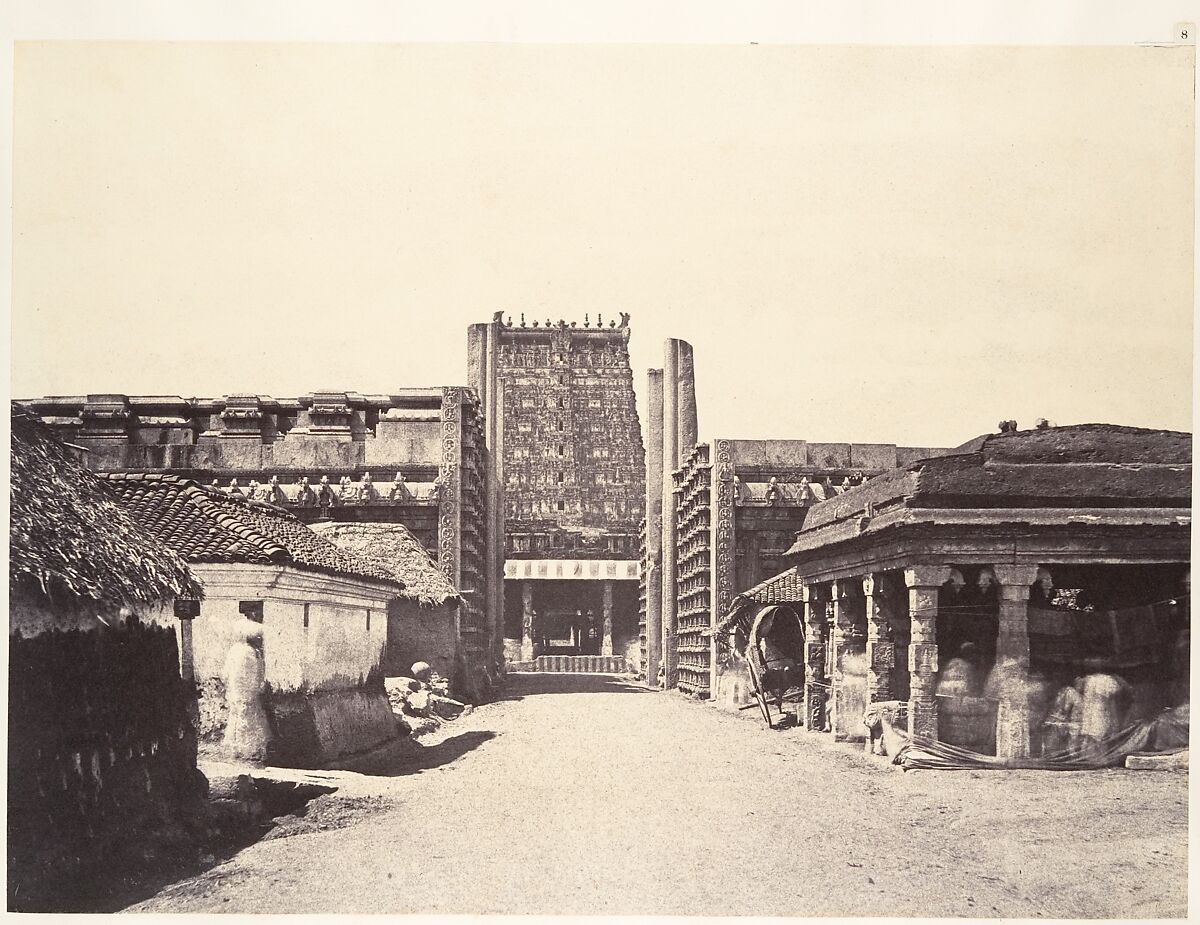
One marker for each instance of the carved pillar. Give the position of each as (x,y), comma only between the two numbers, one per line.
(847,642)
(1012,659)
(526,621)
(607,603)
(723,543)
(654,525)
(924,582)
(881,651)
(814,657)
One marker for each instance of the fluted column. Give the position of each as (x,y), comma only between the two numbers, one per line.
(1012,659)
(606,645)
(924,582)
(814,657)
(881,651)
(526,621)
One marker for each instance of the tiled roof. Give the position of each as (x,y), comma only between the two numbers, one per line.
(209,526)
(784,588)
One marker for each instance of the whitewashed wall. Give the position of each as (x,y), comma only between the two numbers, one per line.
(335,651)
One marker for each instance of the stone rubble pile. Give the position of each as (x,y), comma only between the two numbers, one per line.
(421,703)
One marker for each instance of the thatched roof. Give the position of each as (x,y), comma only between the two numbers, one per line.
(395,548)
(204,525)
(70,543)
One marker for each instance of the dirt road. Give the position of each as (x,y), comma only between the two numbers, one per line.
(587,795)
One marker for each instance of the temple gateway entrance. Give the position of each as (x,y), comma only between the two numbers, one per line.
(571,615)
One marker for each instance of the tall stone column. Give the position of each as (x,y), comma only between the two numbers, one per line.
(654,525)
(881,651)
(924,583)
(679,436)
(814,657)
(526,621)
(670,461)
(606,645)
(685,384)
(1012,659)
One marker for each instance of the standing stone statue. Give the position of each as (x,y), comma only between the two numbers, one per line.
(247,732)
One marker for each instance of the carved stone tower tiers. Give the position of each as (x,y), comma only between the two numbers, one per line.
(564,430)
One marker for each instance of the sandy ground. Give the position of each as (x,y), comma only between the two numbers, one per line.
(588,795)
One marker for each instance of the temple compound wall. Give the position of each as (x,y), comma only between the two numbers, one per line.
(569,484)
(416,457)
(737,505)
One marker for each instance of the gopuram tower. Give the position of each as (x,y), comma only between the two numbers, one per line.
(569,482)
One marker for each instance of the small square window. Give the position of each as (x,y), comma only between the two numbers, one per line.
(252,610)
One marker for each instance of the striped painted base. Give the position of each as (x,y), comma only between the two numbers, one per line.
(581,664)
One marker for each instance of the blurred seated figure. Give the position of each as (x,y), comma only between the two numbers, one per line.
(1060,731)
(1105,701)
(960,676)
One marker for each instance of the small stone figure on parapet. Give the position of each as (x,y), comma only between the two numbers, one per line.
(366,493)
(234,489)
(275,494)
(346,490)
(805,489)
(399,490)
(624,319)
(254,491)
(305,497)
(325,496)
(773,492)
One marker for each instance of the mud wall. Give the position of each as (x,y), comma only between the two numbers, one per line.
(100,750)
(424,634)
(315,728)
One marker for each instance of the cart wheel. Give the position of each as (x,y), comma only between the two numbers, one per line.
(759,695)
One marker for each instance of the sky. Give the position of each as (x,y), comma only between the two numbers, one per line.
(862,243)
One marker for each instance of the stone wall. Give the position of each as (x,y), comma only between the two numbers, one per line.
(101,752)
(422,634)
(414,456)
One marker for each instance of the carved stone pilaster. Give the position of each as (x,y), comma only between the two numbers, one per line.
(815,691)
(881,651)
(924,584)
(449,500)
(723,544)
